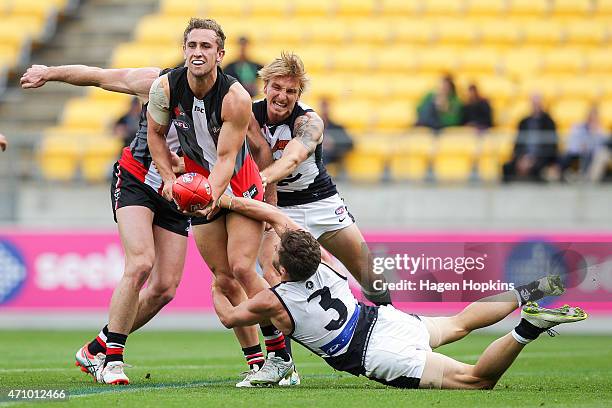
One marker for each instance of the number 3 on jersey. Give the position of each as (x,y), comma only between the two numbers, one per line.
(327,302)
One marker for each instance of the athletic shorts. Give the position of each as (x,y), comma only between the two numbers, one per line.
(397,349)
(246,183)
(127,190)
(319,217)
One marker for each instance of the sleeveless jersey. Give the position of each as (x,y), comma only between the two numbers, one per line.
(198,124)
(136,158)
(310,181)
(327,319)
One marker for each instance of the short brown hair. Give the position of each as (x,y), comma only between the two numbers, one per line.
(300,254)
(288,64)
(205,24)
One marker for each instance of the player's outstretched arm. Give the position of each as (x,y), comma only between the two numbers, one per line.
(158,121)
(259,309)
(132,81)
(260,211)
(308,133)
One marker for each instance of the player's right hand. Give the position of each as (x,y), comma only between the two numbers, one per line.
(34,77)
(167,190)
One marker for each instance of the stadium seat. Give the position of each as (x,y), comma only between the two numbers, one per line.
(437,60)
(547,86)
(137,55)
(451,8)
(99,153)
(452,31)
(9,55)
(85,113)
(454,158)
(368,87)
(599,61)
(310,8)
(356,115)
(605,113)
(370,31)
(522,63)
(499,32)
(498,87)
(571,8)
(479,61)
(411,87)
(367,162)
(569,112)
(160,30)
(401,8)
(536,8)
(223,8)
(411,31)
(585,32)
(563,61)
(362,8)
(40,9)
(603,7)
(582,87)
(180,8)
(394,117)
(411,155)
(58,158)
(485,8)
(354,59)
(396,59)
(541,32)
(329,33)
(269,8)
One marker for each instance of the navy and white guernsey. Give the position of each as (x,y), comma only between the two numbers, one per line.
(327,319)
(198,124)
(136,158)
(310,181)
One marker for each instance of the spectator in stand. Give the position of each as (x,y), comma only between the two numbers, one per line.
(535,149)
(244,69)
(337,142)
(127,125)
(585,140)
(441,108)
(3,142)
(477,111)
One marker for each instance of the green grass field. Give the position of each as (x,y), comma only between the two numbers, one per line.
(200,369)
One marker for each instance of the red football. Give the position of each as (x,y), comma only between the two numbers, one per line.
(191,192)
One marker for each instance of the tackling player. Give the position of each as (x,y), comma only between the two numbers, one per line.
(314,305)
(305,191)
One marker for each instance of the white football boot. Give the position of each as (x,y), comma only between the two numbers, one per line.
(246,382)
(292,380)
(113,374)
(89,363)
(548,318)
(273,371)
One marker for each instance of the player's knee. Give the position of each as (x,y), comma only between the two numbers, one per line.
(164,292)
(242,270)
(138,269)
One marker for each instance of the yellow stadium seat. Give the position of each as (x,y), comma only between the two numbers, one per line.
(317,8)
(329,33)
(497,87)
(535,8)
(396,59)
(499,32)
(224,8)
(269,8)
(160,30)
(9,55)
(565,61)
(354,59)
(599,61)
(568,112)
(538,32)
(493,154)
(410,156)
(328,86)
(515,113)
(69,132)
(180,8)
(356,115)
(363,8)
(368,87)
(394,117)
(316,59)
(411,31)
(572,8)
(581,87)
(451,31)
(437,60)
(91,114)
(137,55)
(278,34)
(411,87)
(101,94)
(603,7)
(371,31)
(99,153)
(367,161)
(459,131)
(454,158)
(522,62)
(492,8)
(443,7)
(605,113)
(58,158)
(41,9)
(479,60)
(397,8)
(585,32)
(547,86)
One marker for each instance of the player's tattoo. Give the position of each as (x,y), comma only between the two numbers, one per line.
(309,131)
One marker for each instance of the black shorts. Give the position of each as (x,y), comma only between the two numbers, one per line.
(203,220)
(126,190)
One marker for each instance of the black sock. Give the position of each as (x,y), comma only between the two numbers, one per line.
(529,292)
(98,345)
(379,298)
(115,344)
(275,342)
(254,356)
(525,332)
(288,345)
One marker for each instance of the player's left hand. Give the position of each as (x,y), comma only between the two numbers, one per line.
(178,163)
(34,77)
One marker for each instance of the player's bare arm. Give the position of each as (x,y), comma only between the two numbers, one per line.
(262,308)
(308,133)
(262,154)
(158,121)
(131,81)
(236,113)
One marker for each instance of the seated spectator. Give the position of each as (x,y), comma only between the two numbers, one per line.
(441,108)
(477,110)
(535,150)
(127,125)
(584,141)
(337,142)
(244,69)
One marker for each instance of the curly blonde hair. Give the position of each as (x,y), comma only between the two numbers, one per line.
(288,64)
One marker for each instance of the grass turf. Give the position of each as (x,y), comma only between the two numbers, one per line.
(200,369)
